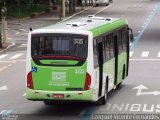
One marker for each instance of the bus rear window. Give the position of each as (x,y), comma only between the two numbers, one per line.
(59,45)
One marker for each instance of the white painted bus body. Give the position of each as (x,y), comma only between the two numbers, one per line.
(90,60)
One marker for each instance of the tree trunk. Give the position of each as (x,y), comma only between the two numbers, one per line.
(62,14)
(81,4)
(70,7)
(74,6)
(0,40)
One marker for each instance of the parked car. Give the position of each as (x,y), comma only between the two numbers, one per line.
(101,2)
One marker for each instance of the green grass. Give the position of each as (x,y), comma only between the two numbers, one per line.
(25,11)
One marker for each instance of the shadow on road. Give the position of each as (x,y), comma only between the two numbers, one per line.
(66,111)
(65,108)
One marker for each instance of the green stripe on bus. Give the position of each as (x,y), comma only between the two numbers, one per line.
(100,30)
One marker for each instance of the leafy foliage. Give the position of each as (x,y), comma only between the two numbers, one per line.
(24,8)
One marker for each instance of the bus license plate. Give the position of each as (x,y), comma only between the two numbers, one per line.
(58,95)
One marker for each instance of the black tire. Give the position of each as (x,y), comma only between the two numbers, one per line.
(103,100)
(107,4)
(118,87)
(96,5)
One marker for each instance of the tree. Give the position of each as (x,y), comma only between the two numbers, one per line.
(72,5)
(28,3)
(4,22)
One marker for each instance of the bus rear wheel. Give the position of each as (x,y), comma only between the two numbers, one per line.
(118,87)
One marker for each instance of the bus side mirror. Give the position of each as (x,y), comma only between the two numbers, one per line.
(131,37)
(30,29)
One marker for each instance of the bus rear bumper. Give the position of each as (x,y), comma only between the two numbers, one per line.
(41,95)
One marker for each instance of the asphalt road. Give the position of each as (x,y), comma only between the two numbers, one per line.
(140,92)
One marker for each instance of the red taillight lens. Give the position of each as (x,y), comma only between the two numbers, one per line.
(87,82)
(29,80)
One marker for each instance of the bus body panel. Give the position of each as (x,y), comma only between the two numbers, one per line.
(122,54)
(90,68)
(43,95)
(109,68)
(107,28)
(46,79)
(70,81)
(59,78)
(28,57)
(122,62)
(108,71)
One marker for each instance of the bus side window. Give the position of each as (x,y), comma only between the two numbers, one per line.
(95,54)
(120,44)
(104,48)
(34,46)
(41,45)
(48,46)
(111,45)
(107,46)
(124,38)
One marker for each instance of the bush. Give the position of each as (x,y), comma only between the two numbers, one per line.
(27,7)
(25,11)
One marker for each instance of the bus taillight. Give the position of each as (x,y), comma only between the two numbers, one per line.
(29,80)
(87,82)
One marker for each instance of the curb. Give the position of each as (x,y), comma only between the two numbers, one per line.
(43,12)
(75,14)
(13,44)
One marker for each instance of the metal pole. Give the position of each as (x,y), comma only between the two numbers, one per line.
(60,15)
(4,30)
(50,3)
(74,5)
(0,40)
(4,22)
(62,12)
(63,8)
(81,4)
(70,6)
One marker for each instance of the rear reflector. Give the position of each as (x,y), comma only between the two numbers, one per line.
(29,80)
(87,82)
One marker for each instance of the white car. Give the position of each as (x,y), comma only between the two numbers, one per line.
(101,2)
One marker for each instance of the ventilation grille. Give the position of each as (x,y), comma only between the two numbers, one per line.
(93,17)
(76,24)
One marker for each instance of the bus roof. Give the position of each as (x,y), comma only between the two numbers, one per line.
(97,25)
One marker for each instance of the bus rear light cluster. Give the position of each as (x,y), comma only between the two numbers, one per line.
(29,80)
(87,82)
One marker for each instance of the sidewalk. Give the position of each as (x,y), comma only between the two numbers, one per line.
(41,20)
(6,46)
(18,31)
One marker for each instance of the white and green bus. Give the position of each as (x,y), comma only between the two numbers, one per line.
(78,60)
